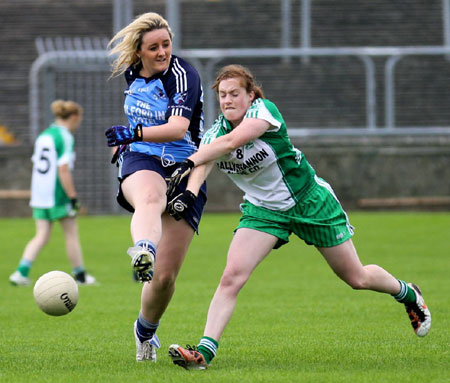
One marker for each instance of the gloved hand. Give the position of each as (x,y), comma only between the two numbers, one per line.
(182,171)
(179,205)
(75,207)
(123,135)
(117,153)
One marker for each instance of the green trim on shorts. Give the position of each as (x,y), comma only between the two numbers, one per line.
(318,219)
(52,214)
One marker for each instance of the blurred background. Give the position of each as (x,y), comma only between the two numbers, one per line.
(363,87)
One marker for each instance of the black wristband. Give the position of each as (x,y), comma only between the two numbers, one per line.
(190,163)
(191,195)
(138,134)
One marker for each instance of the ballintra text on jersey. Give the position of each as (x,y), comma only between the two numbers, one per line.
(248,166)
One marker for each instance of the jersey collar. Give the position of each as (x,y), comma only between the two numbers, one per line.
(132,72)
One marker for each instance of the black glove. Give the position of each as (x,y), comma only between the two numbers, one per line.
(179,205)
(123,135)
(75,207)
(182,171)
(117,153)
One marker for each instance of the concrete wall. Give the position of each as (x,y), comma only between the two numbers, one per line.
(367,168)
(356,168)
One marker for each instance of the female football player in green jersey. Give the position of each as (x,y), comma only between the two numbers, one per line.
(283,194)
(53,193)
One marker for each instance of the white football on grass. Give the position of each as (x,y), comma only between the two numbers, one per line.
(56,293)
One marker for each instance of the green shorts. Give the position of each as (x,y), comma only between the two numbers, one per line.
(318,218)
(52,214)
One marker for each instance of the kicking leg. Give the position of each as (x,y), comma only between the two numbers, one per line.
(146,191)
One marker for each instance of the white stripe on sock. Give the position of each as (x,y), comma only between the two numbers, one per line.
(403,291)
(209,345)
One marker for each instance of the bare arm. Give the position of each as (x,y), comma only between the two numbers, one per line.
(173,130)
(198,176)
(248,130)
(66,179)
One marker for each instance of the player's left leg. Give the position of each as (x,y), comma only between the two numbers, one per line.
(156,295)
(74,252)
(345,262)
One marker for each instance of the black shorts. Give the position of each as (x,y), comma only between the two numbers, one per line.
(131,162)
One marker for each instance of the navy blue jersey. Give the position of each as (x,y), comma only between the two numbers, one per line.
(151,101)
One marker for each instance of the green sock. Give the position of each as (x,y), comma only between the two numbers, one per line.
(24,267)
(208,348)
(406,294)
(410,296)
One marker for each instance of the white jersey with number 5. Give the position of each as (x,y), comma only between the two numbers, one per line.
(272,173)
(53,148)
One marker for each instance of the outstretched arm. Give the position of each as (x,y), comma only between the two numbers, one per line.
(182,202)
(248,130)
(198,176)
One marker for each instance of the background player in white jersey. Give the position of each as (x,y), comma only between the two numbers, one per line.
(164,107)
(53,193)
(283,194)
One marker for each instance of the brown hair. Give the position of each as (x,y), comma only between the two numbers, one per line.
(65,108)
(131,40)
(239,71)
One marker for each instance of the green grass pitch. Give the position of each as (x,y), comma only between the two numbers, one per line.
(294,321)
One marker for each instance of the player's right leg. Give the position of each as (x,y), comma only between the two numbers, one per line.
(32,249)
(247,249)
(194,357)
(189,358)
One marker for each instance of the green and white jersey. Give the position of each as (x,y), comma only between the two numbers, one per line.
(269,170)
(53,147)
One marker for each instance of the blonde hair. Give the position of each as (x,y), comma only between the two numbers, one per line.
(131,41)
(244,74)
(63,109)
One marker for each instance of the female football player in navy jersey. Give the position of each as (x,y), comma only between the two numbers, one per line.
(164,107)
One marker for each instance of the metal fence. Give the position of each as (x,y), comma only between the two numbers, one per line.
(358,88)
(83,76)
(208,60)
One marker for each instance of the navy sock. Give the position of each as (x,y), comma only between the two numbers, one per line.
(146,244)
(145,329)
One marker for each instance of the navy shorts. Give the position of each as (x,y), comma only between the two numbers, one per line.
(131,162)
